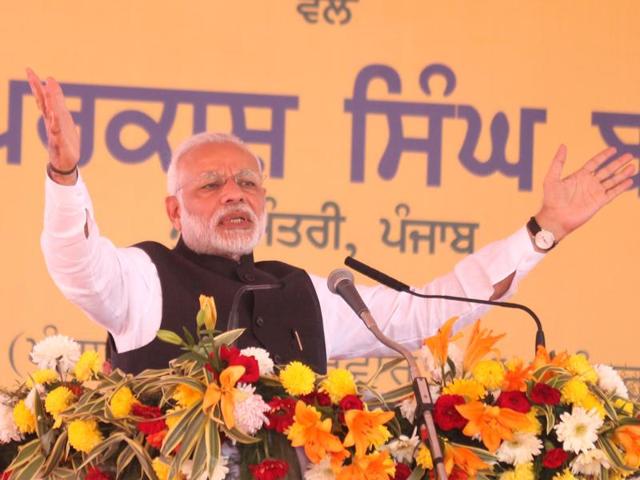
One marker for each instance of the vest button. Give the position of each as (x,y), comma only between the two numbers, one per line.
(277,359)
(248,277)
(259,321)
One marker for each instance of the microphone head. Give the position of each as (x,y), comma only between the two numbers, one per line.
(337,276)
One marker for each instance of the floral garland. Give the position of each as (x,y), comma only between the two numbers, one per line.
(219,412)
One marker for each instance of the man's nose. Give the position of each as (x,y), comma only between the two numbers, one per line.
(231,192)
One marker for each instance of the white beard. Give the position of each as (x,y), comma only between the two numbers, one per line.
(200,234)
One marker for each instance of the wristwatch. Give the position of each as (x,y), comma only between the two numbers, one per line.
(543,240)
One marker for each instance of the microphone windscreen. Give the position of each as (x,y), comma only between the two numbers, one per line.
(337,276)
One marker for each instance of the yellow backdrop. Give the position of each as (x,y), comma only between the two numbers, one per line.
(397,112)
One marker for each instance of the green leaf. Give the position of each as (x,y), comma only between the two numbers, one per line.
(238,435)
(417,474)
(212,441)
(26,453)
(199,458)
(176,434)
(384,368)
(170,337)
(31,469)
(56,454)
(187,334)
(193,433)
(124,459)
(143,458)
(227,338)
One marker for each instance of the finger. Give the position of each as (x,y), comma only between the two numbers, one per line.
(619,188)
(36,89)
(605,172)
(600,158)
(555,170)
(620,176)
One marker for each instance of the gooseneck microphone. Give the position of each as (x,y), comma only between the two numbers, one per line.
(391,282)
(340,282)
(234,314)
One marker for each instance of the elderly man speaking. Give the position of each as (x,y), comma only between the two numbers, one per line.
(216,201)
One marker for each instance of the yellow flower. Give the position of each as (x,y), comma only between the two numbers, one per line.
(186,395)
(225,393)
(376,466)
(468,388)
(160,468)
(88,365)
(591,401)
(624,405)
(564,475)
(524,471)
(23,418)
(489,373)
(338,384)
(173,417)
(535,425)
(57,401)
(122,402)
(208,313)
(579,365)
(84,435)
(366,429)
(42,377)
(297,379)
(423,458)
(574,391)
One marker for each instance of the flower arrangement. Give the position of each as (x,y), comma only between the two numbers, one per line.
(219,412)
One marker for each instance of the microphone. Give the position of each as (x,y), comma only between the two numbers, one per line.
(340,282)
(397,285)
(234,314)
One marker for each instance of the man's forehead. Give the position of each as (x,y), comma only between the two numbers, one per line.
(219,156)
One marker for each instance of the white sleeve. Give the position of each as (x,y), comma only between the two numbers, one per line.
(407,319)
(119,288)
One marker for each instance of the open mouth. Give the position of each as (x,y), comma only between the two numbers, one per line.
(236,220)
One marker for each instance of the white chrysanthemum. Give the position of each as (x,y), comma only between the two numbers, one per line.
(408,408)
(56,350)
(520,450)
(265,364)
(589,463)
(402,448)
(8,430)
(219,472)
(578,430)
(250,412)
(455,355)
(610,381)
(320,471)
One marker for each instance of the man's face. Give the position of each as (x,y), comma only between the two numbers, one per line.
(220,204)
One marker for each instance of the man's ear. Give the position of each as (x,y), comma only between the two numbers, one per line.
(173,211)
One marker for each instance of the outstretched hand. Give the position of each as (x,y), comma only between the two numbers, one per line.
(569,202)
(62,135)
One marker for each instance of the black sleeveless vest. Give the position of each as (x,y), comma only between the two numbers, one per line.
(286,321)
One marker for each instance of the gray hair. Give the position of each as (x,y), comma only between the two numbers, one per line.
(197,140)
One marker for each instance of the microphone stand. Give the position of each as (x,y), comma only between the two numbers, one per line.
(421,390)
(399,286)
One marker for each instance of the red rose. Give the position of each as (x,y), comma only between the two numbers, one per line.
(281,414)
(316,398)
(515,401)
(555,458)
(151,426)
(402,472)
(544,394)
(445,414)
(269,470)
(232,356)
(94,473)
(155,439)
(349,402)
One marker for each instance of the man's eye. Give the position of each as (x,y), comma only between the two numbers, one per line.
(247,184)
(211,186)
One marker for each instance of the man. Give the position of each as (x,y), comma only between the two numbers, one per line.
(217,202)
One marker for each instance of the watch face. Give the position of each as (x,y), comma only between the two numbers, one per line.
(544,240)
